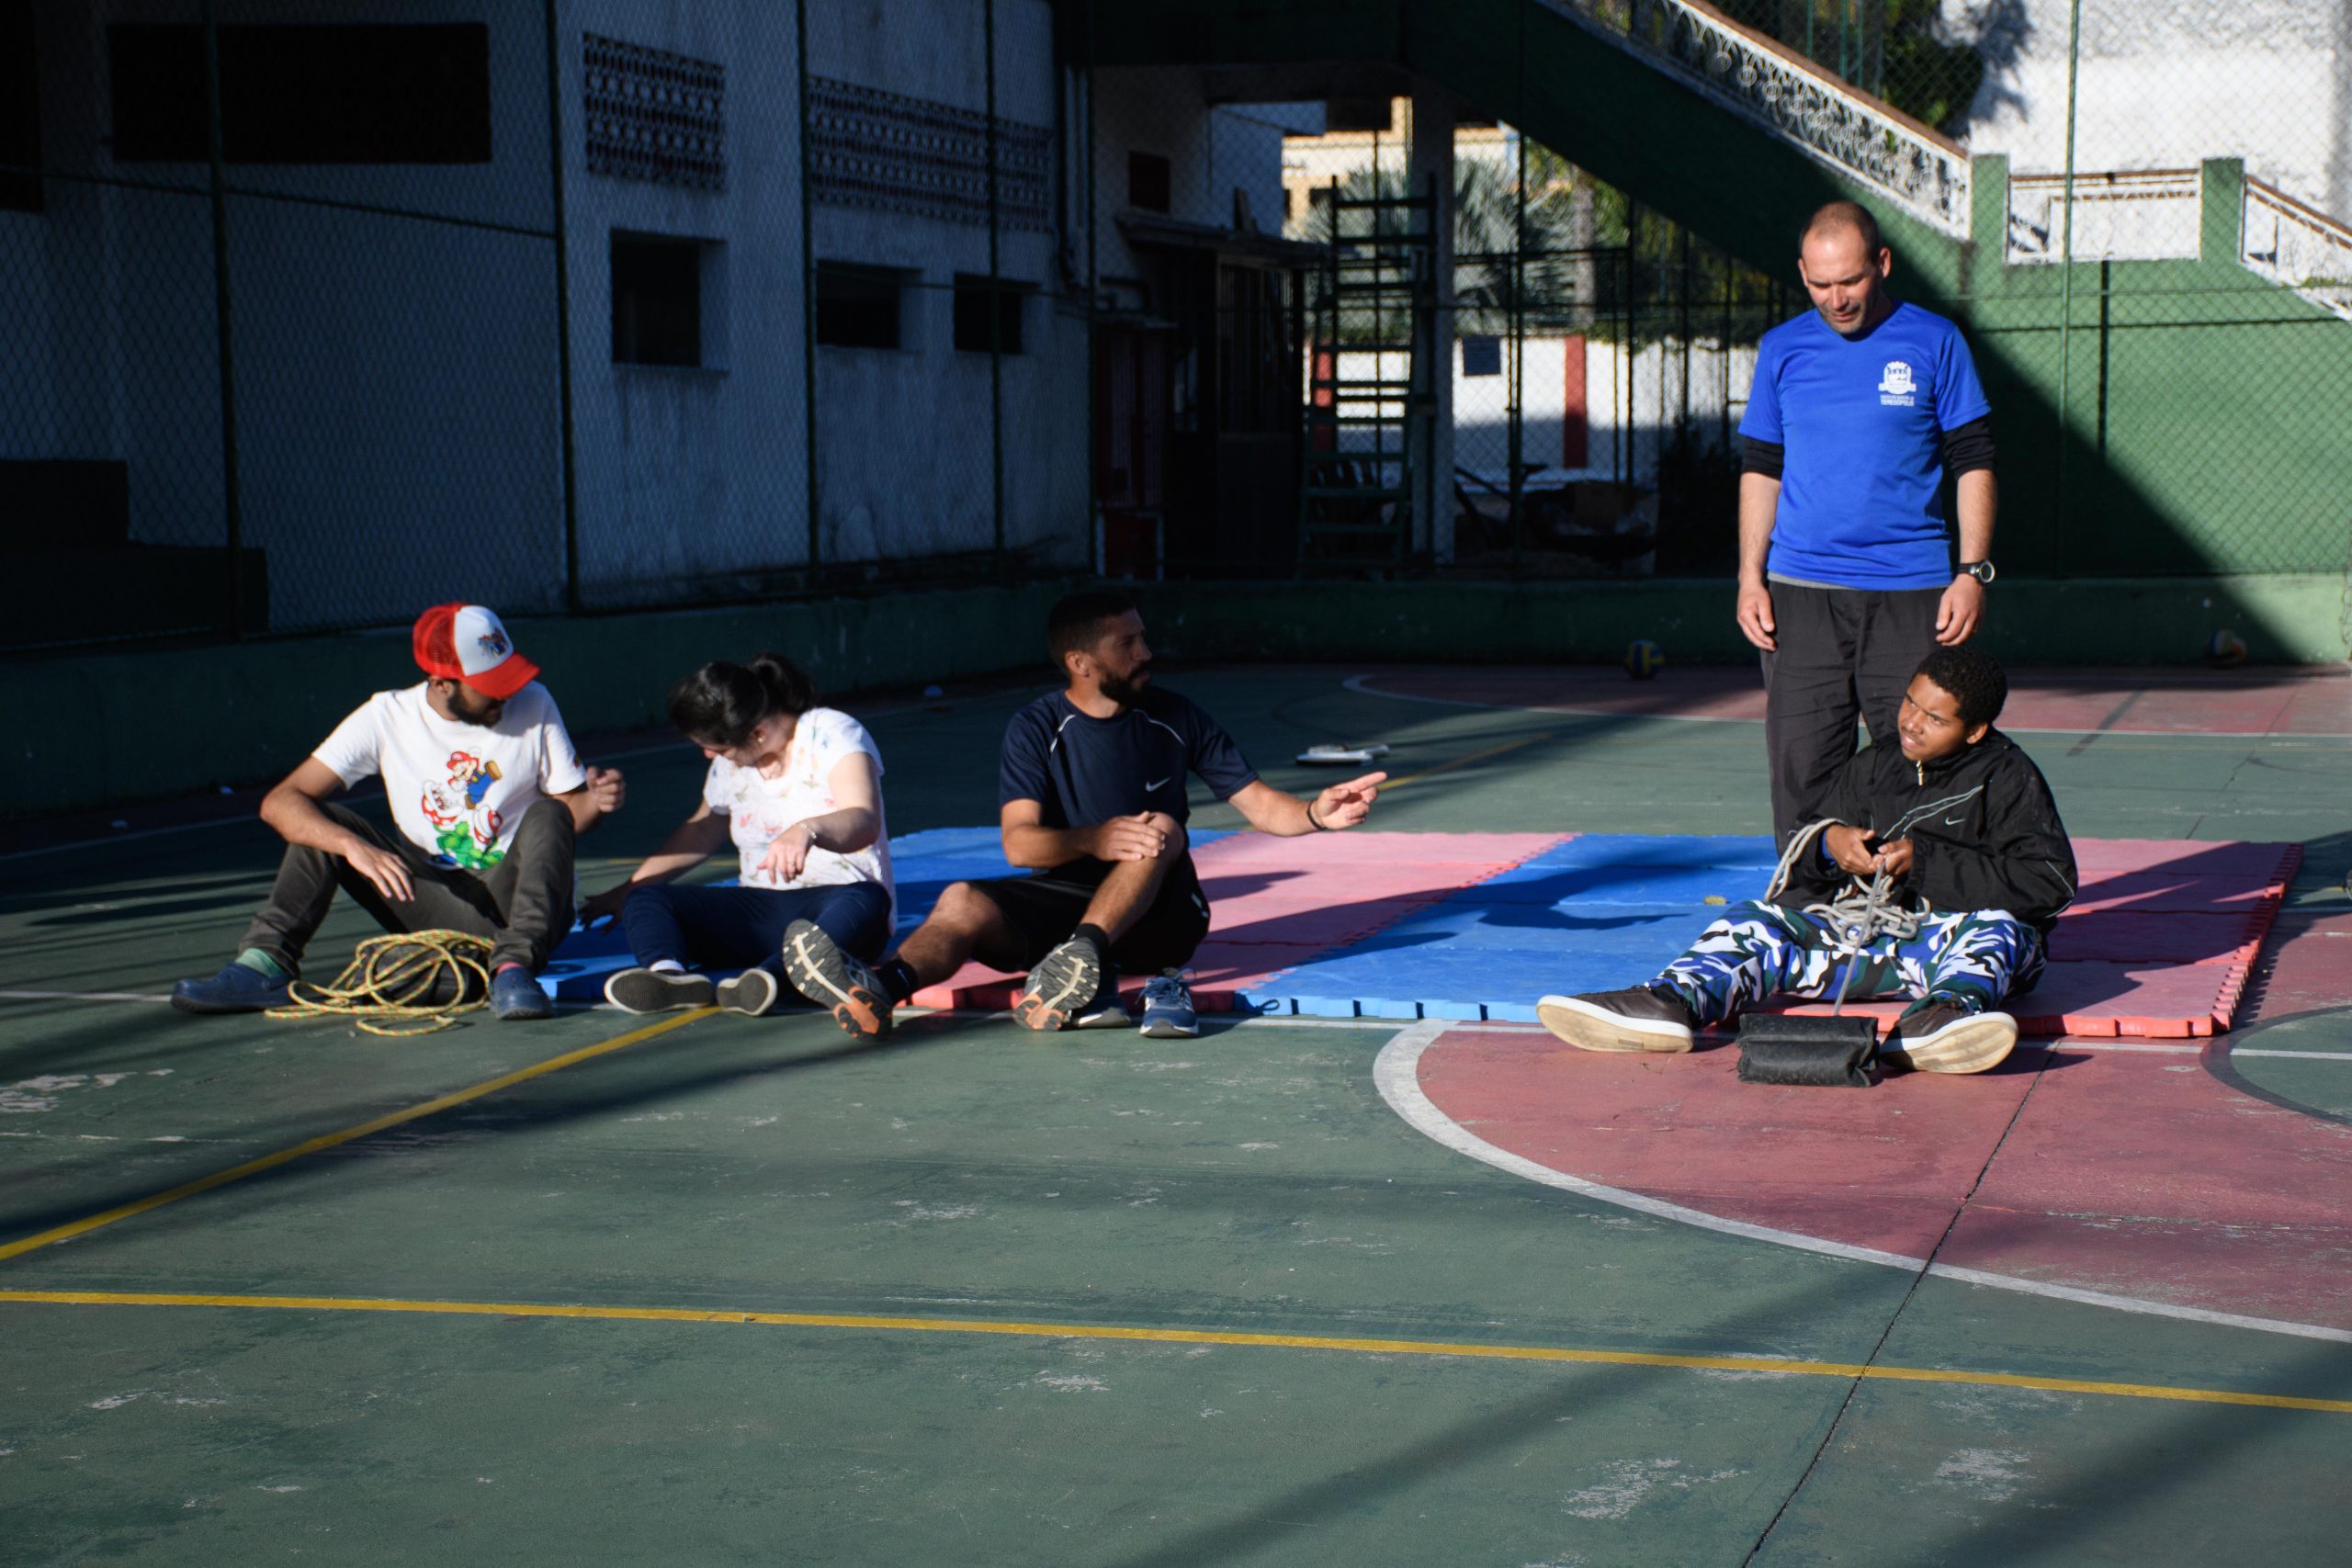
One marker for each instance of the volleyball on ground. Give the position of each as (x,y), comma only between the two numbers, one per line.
(1643,658)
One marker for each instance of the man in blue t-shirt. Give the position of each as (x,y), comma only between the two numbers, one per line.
(1091,802)
(1860,409)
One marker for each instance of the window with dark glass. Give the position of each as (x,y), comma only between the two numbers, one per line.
(657,299)
(1150,182)
(300,93)
(20,190)
(859,307)
(980,302)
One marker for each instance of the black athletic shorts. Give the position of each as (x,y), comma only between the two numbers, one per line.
(1044,908)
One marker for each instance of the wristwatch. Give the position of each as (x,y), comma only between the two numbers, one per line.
(1982,571)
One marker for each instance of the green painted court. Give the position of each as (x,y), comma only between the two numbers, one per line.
(705,1288)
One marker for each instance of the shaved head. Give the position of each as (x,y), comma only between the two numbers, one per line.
(1835,216)
(1845,265)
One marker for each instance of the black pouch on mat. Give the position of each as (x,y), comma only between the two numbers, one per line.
(1830,1052)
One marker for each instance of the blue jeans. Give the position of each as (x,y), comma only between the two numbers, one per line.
(737,928)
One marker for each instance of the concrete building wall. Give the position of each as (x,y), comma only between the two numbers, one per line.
(906,451)
(398,392)
(688,475)
(2168,85)
(351,330)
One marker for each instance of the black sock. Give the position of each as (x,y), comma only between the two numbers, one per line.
(1098,936)
(897,979)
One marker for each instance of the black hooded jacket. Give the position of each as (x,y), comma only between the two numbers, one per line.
(1983,830)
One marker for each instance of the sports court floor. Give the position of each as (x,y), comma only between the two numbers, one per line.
(704,1288)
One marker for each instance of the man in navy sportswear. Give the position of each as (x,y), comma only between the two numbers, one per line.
(1091,802)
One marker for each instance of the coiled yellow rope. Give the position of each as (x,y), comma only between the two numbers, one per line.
(388,985)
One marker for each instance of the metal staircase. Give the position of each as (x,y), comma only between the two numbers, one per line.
(1370,407)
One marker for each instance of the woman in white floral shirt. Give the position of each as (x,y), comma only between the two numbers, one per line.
(798,788)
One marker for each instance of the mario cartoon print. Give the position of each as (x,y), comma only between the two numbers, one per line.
(466,825)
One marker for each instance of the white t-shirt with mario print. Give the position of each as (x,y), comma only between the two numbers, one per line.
(759,808)
(456,790)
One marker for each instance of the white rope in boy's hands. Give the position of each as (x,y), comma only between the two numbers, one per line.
(1858,917)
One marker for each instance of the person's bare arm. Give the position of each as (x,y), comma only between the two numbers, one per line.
(849,827)
(1286,815)
(690,844)
(291,809)
(1962,608)
(592,802)
(1759,502)
(1034,847)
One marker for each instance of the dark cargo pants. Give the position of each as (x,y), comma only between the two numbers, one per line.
(523,904)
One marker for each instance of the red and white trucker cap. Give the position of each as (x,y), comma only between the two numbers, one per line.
(465,642)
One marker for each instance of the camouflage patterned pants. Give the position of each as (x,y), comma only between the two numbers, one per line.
(1974,959)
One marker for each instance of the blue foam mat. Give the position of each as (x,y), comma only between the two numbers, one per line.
(1596,913)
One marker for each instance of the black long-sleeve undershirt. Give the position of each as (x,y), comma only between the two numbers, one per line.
(1967,448)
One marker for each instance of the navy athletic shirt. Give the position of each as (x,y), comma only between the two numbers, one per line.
(1084,771)
(1863,421)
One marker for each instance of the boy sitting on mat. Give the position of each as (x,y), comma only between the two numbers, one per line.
(488,795)
(1092,802)
(1963,824)
(798,788)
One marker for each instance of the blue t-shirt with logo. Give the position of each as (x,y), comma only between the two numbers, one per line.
(1084,771)
(1861,422)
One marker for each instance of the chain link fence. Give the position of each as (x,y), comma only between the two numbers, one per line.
(306,324)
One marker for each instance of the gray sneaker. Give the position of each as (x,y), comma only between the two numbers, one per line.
(1109,1009)
(1168,1007)
(1635,1020)
(1061,988)
(820,971)
(657,990)
(753,992)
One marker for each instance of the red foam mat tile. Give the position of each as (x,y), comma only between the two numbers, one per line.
(2097,858)
(1217,971)
(2098,1000)
(2184,936)
(1369,853)
(2158,892)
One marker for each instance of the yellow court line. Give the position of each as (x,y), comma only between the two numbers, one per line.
(1456,1349)
(269,1162)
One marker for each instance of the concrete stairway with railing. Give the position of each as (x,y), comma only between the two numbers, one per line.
(2116,462)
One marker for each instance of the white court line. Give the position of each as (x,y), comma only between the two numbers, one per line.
(2299,1056)
(86,995)
(1396,1075)
(1356,684)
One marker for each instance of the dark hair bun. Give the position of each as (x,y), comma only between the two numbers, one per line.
(720,703)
